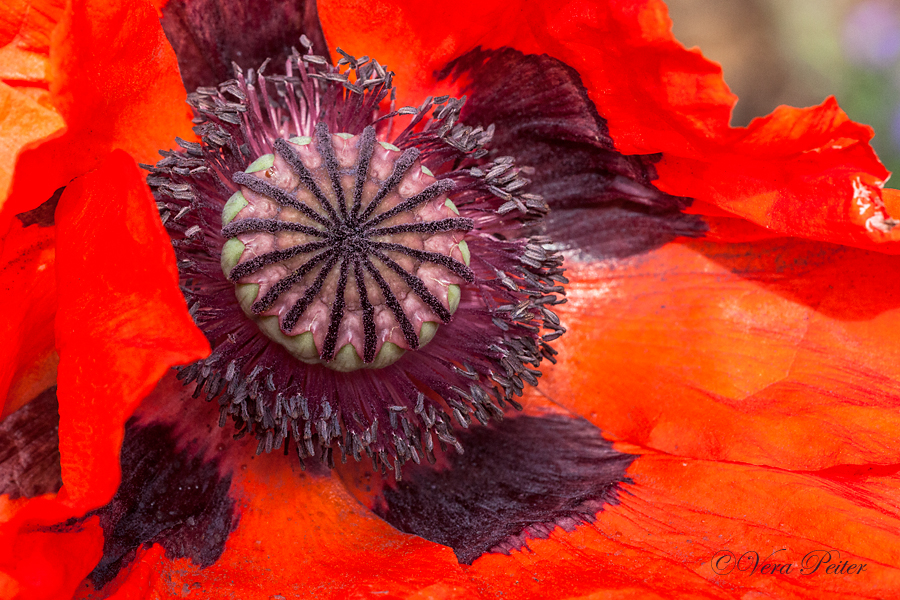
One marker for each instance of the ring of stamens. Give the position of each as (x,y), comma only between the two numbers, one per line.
(473,369)
(344,247)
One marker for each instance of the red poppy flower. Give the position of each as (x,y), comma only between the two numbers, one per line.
(721,419)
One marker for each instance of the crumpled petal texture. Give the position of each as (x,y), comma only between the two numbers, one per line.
(676,514)
(778,352)
(679,513)
(802,172)
(657,97)
(25,30)
(300,534)
(28,357)
(633,68)
(122,321)
(40,559)
(738,361)
(114,80)
(23,122)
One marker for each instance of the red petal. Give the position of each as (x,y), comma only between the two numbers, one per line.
(28,24)
(679,514)
(656,97)
(28,302)
(801,172)
(39,559)
(116,84)
(654,92)
(422,37)
(122,320)
(305,532)
(25,28)
(22,122)
(12,14)
(137,582)
(779,353)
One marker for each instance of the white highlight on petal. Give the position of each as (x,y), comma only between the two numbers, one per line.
(866,199)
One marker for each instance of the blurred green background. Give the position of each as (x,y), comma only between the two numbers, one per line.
(798,52)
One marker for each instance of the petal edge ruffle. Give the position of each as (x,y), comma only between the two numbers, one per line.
(114,79)
(122,320)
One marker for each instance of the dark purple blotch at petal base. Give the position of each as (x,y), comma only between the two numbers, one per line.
(44,215)
(167,496)
(29,449)
(518,479)
(208,35)
(603,203)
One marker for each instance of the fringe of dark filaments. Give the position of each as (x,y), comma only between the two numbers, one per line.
(497,327)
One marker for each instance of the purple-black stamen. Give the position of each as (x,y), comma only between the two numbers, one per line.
(457,224)
(416,285)
(264,303)
(439,259)
(391,300)
(270,258)
(366,148)
(368,312)
(337,313)
(434,190)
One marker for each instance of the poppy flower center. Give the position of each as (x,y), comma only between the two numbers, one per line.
(362,283)
(346,251)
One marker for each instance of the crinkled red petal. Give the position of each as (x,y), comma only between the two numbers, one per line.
(303,533)
(28,305)
(23,121)
(122,321)
(669,536)
(299,534)
(138,581)
(29,23)
(12,15)
(801,172)
(421,38)
(40,558)
(777,352)
(654,92)
(115,82)
(666,537)
(25,29)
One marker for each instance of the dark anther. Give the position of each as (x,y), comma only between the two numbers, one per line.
(430,193)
